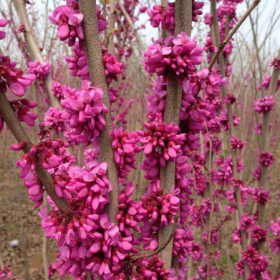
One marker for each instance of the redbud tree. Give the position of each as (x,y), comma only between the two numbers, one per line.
(148,195)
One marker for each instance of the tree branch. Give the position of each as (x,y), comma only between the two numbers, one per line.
(32,46)
(15,126)
(225,42)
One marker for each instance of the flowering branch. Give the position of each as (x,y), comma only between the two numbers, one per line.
(19,133)
(265,140)
(234,30)
(127,17)
(183,22)
(32,46)
(96,70)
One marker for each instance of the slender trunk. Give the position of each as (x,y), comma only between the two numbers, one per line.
(183,22)
(96,70)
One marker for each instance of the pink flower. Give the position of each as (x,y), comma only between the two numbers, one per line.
(125,149)
(40,70)
(179,55)
(13,77)
(264,104)
(3,23)
(236,144)
(85,112)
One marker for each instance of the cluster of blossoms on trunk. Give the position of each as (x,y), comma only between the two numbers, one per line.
(87,240)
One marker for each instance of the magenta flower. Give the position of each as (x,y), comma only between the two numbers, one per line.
(179,55)
(264,104)
(13,77)
(85,112)
(40,70)
(22,109)
(161,142)
(3,23)
(237,144)
(125,149)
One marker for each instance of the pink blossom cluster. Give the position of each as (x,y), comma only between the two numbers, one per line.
(3,23)
(145,269)
(156,101)
(130,213)
(236,144)
(69,21)
(57,89)
(13,77)
(266,82)
(183,243)
(196,9)
(264,104)
(6,273)
(85,110)
(266,158)
(208,19)
(275,63)
(224,174)
(56,120)
(161,209)
(164,16)
(40,70)
(161,143)
(125,149)
(77,63)
(178,55)
(112,66)
(257,263)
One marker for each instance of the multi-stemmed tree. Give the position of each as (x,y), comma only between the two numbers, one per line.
(87,152)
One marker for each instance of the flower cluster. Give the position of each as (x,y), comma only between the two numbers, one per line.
(55,119)
(196,9)
(161,143)
(69,22)
(275,228)
(264,104)
(40,70)
(266,158)
(236,144)
(112,66)
(178,55)
(57,89)
(85,112)
(6,273)
(125,148)
(275,63)
(130,213)
(164,16)
(77,63)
